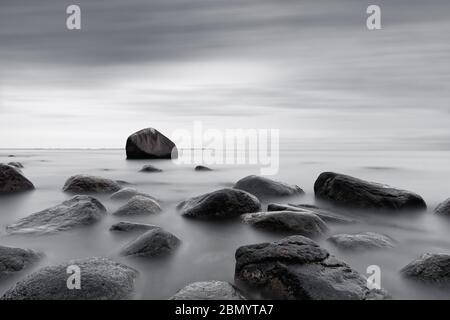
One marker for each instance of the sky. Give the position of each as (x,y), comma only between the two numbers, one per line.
(308,68)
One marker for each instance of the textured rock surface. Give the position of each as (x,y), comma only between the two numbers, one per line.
(126,226)
(101,279)
(150,144)
(443,208)
(75,212)
(153,243)
(224,203)
(362,241)
(431,268)
(356,193)
(90,184)
(263,187)
(208,290)
(138,205)
(128,193)
(297,268)
(303,223)
(12,180)
(150,168)
(13,260)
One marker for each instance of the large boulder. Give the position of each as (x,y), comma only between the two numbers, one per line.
(100,279)
(128,193)
(125,226)
(362,241)
(430,268)
(75,212)
(208,290)
(155,242)
(150,144)
(223,203)
(263,187)
(359,194)
(90,184)
(13,260)
(443,208)
(138,205)
(297,268)
(12,180)
(304,223)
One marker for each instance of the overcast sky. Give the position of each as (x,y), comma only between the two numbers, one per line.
(308,68)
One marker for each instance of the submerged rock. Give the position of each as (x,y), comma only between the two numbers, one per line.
(223,203)
(75,212)
(153,243)
(443,208)
(90,184)
(101,279)
(126,226)
(263,187)
(13,260)
(356,193)
(150,168)
(128,193)
(12,180)
(208,290)
(202,168)
(138,205)
(430,268)
(304,223)
(362,241)
(297,268)
(150,144)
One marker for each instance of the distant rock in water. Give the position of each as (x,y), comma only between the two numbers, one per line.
(202,168)
(362,241)
(90,184)
(224,203)
(125,226)
(208,290)
(138,205)
(16,164)
(153,243)
(430,268)
(150,144)
(298,268)
(303,223)
(101,279)
(13,260)
(263,187)
(150,168)
(355,193)
(12,180)
(75,212)
(128,193)
(443,208)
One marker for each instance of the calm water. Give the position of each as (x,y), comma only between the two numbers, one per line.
(208,248)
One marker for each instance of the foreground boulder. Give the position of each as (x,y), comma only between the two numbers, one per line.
(150,168)
(101,279)
(224,203)
(208,290)
(153,243)
(356,193)
(126,226)
(297,268)
(128,193)
(265,188)
(304,223)
(90,184)
(13,260)
(362,241)
(150,144)
(12,180)
(430,268)
(138,205)
(75,212)
(443,208)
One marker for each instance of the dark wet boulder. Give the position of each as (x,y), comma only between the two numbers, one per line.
(12,180)
(17,165)
(443,208)
(430,268)
(75,212)
(303,223)
(128,193)
(202,168)
(297,268)
(362,241)
(208,290)
(324,214)
(150,144)
(223,203)
(263,187)
(138,205)
(125,226)
(355,193)
(90,184)
(101,279)
(149,168)
(152,243)
(14,260)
